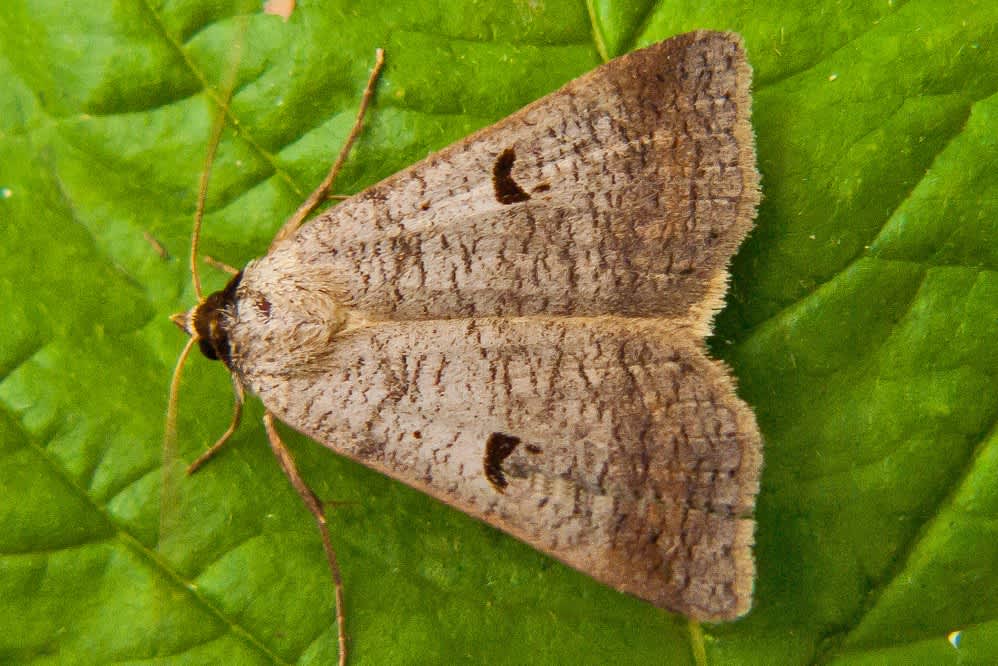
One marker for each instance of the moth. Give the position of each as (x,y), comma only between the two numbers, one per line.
(515,326)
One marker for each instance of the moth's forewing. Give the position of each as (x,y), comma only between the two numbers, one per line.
(616,446)
(626,192)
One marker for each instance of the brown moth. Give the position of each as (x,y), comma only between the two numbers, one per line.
(515,326)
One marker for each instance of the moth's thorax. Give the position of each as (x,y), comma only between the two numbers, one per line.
(284,315)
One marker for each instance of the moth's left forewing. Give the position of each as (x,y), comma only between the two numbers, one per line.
(614,445)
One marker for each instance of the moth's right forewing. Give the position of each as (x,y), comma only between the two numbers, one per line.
(615,446)
(625,192)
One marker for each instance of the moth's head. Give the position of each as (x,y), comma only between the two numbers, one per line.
(208,322)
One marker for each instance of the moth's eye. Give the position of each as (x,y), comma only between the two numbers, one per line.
(205,346)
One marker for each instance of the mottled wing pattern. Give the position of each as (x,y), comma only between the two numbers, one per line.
(626,192)
(616,447)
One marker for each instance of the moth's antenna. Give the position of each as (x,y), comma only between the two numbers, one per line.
(170,429)
(209,159)
(171,406)
(170,432)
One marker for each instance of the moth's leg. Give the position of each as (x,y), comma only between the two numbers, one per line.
(237,414)
(315,506)
(220,265)
(321,193)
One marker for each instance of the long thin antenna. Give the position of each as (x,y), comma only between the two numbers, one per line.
(170,433)
(169,453)
(216,136)
(170,438)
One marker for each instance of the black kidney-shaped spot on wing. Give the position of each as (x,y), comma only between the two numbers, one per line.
(498,447)
(507,190)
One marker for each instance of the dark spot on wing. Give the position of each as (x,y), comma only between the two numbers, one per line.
(498,447)
(506,189)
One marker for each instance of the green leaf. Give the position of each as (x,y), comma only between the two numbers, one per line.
(862,325)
